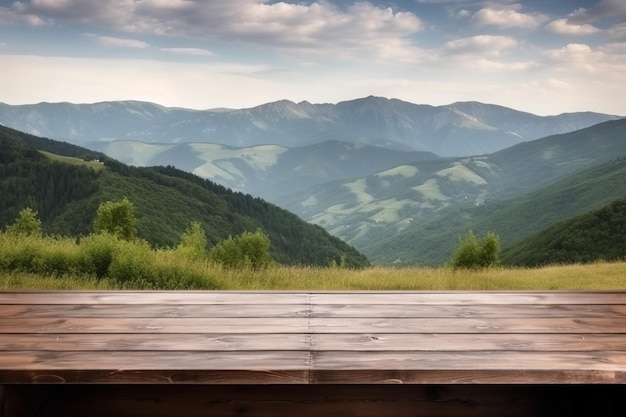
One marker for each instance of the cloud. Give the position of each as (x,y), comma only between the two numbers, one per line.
(607,63)
(189,51)
(112,42)
(618,32)
(562,27)
(359,28)
(18,14)
(603,9)
(573,52)
(507,18)
(481,44)
(479,54)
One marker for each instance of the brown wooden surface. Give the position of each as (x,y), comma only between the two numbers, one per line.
(313,338)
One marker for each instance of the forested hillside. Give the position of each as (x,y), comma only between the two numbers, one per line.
(67,193)
(594,236)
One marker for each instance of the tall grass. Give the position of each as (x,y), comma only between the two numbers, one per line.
(103,262)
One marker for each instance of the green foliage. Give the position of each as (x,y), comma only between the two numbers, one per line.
(596,235)
(96,253)
(27,224)
(248,250)
(132,261)
(193,243)
(116,218)
(67,193)
(37,254)
(472,253)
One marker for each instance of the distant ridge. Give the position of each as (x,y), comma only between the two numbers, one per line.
(458,129)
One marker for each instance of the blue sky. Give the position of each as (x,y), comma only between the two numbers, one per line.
(541,56)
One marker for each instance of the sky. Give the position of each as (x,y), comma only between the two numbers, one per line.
(540,56)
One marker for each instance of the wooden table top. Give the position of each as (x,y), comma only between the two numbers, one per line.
(313,338)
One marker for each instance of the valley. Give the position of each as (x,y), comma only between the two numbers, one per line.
(398,181)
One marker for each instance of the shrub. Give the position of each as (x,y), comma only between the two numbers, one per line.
(26,224)
(96,254)
(248,250)
(474,254)
(193,242)
(116,218)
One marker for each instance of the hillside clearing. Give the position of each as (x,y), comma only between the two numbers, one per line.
(95,165)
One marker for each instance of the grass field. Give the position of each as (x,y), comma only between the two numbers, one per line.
(95,165)
(598,276)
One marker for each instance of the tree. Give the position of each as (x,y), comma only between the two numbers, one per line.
(472,253)
(193,242)
(117,219)
(245,250)
(26,224)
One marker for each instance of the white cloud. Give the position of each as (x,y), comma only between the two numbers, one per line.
(616,49)
(360,28)
(573,52)
(189,51)
(587,66)
(112,42)
(562,27)
(507,18)
(603,9)
(481,44)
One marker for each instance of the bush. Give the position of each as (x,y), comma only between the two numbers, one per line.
(193,243)
(248,250)
(96,254)
(26,224)
(132,261)
(474,254)
(116,218)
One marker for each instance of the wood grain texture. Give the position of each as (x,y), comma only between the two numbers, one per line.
(195,337)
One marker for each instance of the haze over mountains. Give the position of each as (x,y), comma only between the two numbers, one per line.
(458,129)
(398,181)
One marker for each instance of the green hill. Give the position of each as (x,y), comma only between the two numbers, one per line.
(597,235)
(529,187)
(512,219)
(66,184)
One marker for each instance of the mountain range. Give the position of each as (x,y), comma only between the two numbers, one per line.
(398,181)
(458,129)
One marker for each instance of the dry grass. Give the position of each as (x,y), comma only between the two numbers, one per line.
(599,276)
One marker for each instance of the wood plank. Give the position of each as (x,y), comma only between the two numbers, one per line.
(314,325)
(150,310)
(156,325)
(469,367)
(153,297)
(470,298)
(358,343)
(474,361)
(281,297)
(467,311)
(154,367)
(511,376)
(154,342)
(468,325)
(315,342)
